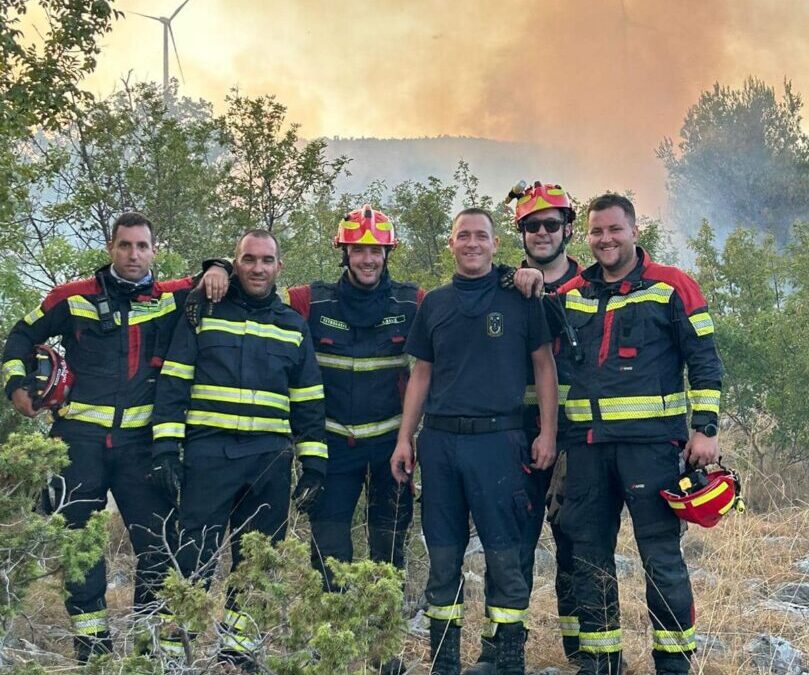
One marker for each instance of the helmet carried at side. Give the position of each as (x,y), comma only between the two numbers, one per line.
(366,226)
(49,378)
(704,497)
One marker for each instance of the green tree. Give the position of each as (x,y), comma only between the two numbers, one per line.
(742,160)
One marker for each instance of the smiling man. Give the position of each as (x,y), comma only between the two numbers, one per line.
(639,323)
(474,343)
(359,326)
(242,394)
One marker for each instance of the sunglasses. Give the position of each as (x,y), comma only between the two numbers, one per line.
(551,225)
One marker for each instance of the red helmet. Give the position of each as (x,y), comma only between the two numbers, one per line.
(365,226)
(540,196)
(50,379)
(703,498)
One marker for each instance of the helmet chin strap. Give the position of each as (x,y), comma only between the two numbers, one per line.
(546,259)
(345,266)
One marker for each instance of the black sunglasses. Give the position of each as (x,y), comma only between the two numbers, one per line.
(551,225)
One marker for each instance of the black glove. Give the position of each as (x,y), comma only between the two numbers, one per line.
(308,490)
(506,274)
(196,304)
(167,475)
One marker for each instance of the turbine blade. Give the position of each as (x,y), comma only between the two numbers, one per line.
(177,11)
(176,54)
(146,16)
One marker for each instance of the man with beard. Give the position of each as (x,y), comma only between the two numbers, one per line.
(359,326)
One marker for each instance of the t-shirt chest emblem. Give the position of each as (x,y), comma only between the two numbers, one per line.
(494,324)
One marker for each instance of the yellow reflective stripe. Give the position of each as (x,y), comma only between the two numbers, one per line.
(706,400)
(445,612)
(176,369)
(311,449)
(168,430)
(569,626)
(364,430)
(710,495)
(237,620)
(210,392)
(238,642)
(530,395)
(262,330)
(574,301)
(642,407)
(702,323)
(12,368)
(171,647)
(361,365)
(80,306)
(238,422)
(103,415)
(90,623)
(600,642)
(659,292)
(300,394)
(674,641)
(33,316)
(283,293)
(562,392)
(137,416)
(506,615)
(165,305)
(578,410)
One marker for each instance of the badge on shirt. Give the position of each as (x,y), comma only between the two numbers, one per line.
(494,324)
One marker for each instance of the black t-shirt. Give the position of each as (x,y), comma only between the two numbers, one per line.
(480,363)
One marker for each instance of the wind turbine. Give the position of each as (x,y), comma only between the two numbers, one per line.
(167,32)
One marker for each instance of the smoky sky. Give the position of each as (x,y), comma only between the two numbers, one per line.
(596,84)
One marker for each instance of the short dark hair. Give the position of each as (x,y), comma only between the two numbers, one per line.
(131,219)
(474,211)
(610,199)
(259,233)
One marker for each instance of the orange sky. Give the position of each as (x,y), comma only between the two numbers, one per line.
(597,83)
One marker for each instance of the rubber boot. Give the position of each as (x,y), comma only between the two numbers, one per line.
(510,644)
(87,646)
(445,647)
(394,666)
(486,661)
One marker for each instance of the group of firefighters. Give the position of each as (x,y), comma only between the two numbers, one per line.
(190,405)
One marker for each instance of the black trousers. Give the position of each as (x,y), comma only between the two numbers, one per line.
(389,507)
(123,470)
(601,479)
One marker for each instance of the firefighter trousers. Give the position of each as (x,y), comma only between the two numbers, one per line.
(537,483)
(480,474)
(94,470)
(389,508)
(601,479)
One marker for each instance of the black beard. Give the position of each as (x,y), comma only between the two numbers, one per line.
(544,260)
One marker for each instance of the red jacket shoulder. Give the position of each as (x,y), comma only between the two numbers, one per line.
(576,282)
(686,287)
(300,299)
(64,291)
(172,285)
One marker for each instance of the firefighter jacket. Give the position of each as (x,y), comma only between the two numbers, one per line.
(365,369)
(636,336)
(553,313)
(247,372)
(114,336)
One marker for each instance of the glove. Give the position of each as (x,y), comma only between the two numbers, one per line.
(556,490)
(308,490)
(167,475)
(196,304)
(506,274)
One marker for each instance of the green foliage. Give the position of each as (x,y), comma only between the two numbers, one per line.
(742,160)
(33,545)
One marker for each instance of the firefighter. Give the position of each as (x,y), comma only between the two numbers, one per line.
(241,392)
(638,324)
(114,328)
(544,217)
(359,326)
(474,343)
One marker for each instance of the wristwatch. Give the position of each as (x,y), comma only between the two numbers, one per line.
(710,430)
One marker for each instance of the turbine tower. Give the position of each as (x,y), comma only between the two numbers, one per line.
(168,33)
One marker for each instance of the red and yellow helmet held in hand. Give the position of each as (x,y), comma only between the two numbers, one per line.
(365,226)
(49,379)
(704,497)
(540,196)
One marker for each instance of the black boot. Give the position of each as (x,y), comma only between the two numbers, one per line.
(510,643)
(87,646)
(486,661)
(445,647)
(394,666)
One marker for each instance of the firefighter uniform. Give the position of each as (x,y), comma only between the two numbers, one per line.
(472,447)
(242,393)
(365,372)
(627,407)
(115,334)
